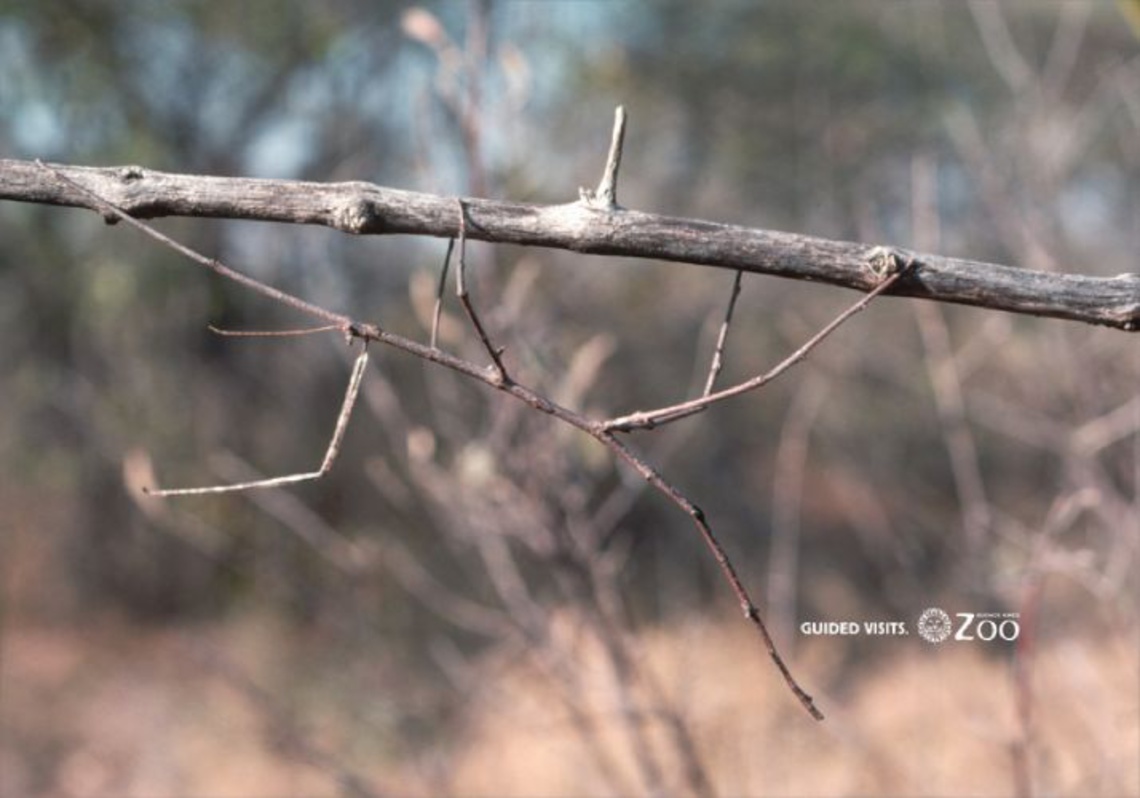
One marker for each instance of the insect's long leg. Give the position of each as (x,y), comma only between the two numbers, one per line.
(330,456)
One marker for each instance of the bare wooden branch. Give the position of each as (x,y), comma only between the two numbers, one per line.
(364,208)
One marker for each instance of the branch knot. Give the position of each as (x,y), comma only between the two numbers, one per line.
(356,215)
(129,174)
(886,262)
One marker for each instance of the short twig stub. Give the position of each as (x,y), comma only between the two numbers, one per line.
(604,197)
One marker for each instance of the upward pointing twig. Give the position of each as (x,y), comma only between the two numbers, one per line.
(722,336)
(604,197)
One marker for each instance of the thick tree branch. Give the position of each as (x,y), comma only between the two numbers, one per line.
(364,208)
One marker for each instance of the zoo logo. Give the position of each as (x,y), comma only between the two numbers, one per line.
(934,625)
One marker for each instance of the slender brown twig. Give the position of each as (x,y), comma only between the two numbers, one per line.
(465,299)
(438,309)
(722,337)
(271,333)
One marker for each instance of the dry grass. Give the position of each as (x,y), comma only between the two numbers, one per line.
(923,722)
(100,707)
(119,711)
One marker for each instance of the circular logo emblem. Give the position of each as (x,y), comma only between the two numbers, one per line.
(934,625)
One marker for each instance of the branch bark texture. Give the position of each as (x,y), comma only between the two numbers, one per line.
(363,208)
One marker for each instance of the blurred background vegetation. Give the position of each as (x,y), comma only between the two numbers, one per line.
(476,601)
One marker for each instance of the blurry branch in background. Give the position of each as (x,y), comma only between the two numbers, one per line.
(1027,225)
(367,209)
(1131,11)
(787,500)
(1089,533)
(945,374)
(354,557)
(459,78)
